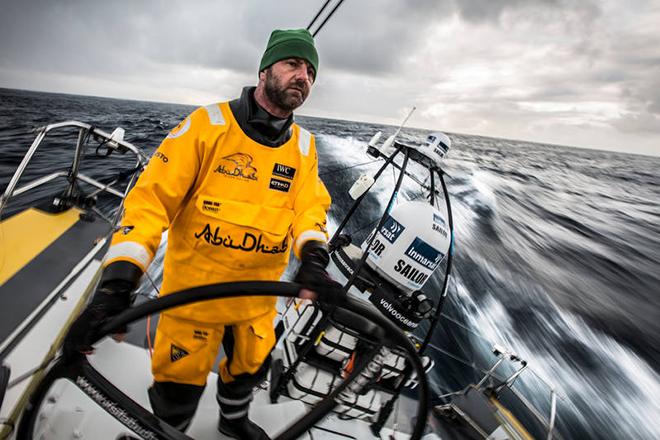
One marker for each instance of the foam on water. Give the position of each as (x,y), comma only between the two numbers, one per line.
(557,249)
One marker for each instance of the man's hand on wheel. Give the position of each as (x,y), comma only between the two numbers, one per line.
(316,282)
(110,299)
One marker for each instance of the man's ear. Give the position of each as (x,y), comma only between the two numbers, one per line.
(262,75)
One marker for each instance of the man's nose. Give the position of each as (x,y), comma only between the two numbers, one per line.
(302,74)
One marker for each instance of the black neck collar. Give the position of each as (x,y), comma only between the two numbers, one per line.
(257,123)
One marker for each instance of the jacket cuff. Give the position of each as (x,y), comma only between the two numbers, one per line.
(316,251)
(307,236)
(124,271)
(131,251)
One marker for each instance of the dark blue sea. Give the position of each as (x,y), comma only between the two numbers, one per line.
(557,252)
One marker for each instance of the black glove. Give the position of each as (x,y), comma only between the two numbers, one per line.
(313,276)
(111,298)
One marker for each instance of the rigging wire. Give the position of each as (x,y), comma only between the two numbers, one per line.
(370,224)
(311,23)
(336,170)
(327,17)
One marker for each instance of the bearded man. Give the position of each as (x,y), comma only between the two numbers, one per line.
(236,185)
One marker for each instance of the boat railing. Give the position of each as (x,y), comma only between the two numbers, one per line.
(107,143)
(503,354)
(492,380)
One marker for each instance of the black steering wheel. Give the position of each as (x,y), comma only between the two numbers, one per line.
(79,371)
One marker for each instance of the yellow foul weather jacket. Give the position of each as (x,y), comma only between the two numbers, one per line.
(233,209)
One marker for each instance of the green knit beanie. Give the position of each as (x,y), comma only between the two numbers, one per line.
(291,43)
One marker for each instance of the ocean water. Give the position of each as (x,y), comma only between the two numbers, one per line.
(557,251)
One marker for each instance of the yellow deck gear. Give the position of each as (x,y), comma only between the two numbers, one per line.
(185,350)
(233,209)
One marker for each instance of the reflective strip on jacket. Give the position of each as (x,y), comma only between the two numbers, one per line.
(233,209)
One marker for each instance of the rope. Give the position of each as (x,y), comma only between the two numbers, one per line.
(149,344)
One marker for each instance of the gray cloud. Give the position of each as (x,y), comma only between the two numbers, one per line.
(364,36)
(506,67)
(491,10)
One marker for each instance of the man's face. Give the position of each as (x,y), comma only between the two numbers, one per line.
(288,82)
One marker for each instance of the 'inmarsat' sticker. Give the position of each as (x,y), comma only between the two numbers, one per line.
(424,254)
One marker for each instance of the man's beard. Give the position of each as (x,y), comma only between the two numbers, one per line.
(280,94)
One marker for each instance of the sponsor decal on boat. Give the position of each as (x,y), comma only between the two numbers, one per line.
(439,225)
(391,229)
(344,264)
(413,274)
(114,409)
(440,229)
(376,249)
(237,165)
(438,219)
(387,306)
(424,254)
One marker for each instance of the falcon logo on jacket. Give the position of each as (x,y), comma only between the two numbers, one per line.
(237,165)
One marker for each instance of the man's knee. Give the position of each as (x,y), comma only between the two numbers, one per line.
(175,403)
(241,384)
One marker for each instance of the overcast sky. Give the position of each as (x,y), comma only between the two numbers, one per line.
(570,72)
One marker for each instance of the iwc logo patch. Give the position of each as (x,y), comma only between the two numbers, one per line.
(285,171)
